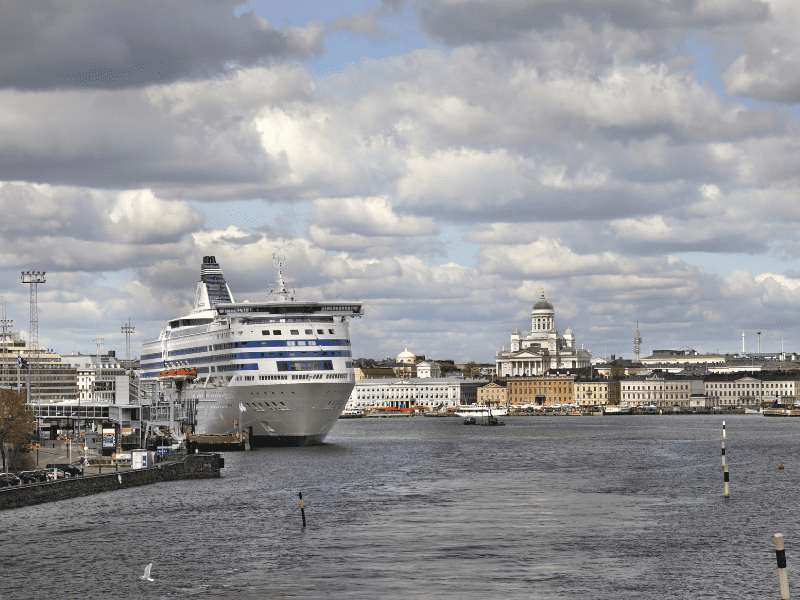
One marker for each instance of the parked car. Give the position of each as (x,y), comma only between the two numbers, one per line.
(33,476)
(54,474)
(71,470)
(7,479)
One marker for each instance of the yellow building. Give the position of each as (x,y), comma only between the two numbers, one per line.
(493,394)
(542,390)
(596,392)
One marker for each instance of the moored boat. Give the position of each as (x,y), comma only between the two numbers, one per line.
(351,413)
(479,410)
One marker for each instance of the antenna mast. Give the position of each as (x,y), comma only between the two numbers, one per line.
(281,291)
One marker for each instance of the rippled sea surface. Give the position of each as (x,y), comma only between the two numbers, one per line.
(555,507)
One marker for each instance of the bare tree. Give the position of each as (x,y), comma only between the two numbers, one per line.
(16,421)
(471,370)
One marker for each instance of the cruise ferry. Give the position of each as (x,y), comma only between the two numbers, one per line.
(278,372)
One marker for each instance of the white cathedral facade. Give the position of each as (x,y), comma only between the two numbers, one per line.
(542,349)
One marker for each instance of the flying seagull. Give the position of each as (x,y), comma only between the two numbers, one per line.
(146,575)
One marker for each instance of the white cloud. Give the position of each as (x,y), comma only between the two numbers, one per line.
(570,142)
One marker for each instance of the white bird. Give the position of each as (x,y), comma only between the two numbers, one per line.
(146,575)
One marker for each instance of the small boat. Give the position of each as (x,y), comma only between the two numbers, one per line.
(478,410)
(492,421)
(751,411)
(617,409)
(470,421)
(351,413)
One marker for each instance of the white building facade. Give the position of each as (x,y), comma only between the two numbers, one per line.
(427,393)
(752,391)
(660,389)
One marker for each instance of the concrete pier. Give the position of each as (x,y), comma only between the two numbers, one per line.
(192,466)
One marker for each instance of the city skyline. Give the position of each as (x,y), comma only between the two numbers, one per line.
(440,160)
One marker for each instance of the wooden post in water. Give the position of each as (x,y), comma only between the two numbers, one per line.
(302,509)
(725,478)
(780,556)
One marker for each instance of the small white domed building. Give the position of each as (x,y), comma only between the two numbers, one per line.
(406,357)
(542,348)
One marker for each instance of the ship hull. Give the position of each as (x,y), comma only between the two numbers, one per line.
(298,414)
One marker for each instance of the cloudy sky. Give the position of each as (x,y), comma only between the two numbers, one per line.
(440,160)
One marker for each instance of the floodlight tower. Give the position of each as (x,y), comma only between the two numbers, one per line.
(99,343)
(127,329)
(34,278)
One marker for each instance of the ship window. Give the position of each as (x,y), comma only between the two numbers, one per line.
(294,332)
(320,331)
(309,331)
(265,332)
(330,330)
(276,331)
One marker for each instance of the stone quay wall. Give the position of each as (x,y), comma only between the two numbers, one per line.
(192,466)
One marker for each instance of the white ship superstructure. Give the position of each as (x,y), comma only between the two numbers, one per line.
(280,371)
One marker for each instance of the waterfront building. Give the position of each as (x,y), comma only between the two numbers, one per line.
(596,391)
(494,393)
(665,390)
(753,389)
(431,393)
(541,390)
(542,348)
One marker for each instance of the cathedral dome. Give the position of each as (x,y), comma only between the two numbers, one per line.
(543,304)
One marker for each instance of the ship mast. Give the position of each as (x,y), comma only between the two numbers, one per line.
(281,292)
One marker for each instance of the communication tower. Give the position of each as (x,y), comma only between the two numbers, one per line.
(637,342)
(34,278)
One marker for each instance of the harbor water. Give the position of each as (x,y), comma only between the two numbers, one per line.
(545,507)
